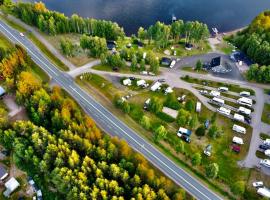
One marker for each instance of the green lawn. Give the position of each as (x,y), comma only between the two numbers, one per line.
(232,87)
(191,69)
(264,136)
(266,113)
(5,43)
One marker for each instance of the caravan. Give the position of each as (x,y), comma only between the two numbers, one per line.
(217,101)
(244,111)
(245,101)
(239,129)
(238,117)
(224,111)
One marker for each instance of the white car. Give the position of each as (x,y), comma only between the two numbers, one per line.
(21,34)
(267,152)
(265,162)
(203,91)
(172,64)
(257,184)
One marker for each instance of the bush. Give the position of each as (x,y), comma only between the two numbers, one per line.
(200,131)
(238,187)
(160,133)
(211,170)
(196,159)
(163,116)
(214,131)
(190,105)
(136,112)
(145,122)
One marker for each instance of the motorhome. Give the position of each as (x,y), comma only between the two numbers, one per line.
(217,101)
(245,101)
(156,86)
(141,82)
(198,107)
(244,94)
(265,192)
(224,111)
(244,111)
(238,117)
(183,131)
(239,129)
(168,90)
(146,104)
(223,89)
(237,140)
(214,93)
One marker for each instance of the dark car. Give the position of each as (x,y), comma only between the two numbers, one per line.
(116,69)
(132,78)
(248,120)
(161,80)
(264,146)
(185,138)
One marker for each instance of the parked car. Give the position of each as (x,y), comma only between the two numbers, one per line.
(162,80)
(257,184)
(208,150)
(264,147)
(185,138)
(236,148)
(203,92)
(265,162)
(21,34)
(132,78)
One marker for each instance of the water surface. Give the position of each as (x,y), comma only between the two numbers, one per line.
(226,15)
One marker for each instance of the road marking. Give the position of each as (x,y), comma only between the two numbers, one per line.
(142,146)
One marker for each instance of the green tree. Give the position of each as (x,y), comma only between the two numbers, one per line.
(238,187)
(196,159)
(134,64)
(200,131)
(155,105)
(145,122)
(160,133)
(199,65)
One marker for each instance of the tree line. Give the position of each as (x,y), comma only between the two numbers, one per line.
(52,22)
(65,152)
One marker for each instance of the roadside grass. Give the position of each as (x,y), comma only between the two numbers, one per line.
(39,44)
(191,69)
(225,47)
(266,113)
(231,87)
(222,153)
(5,43)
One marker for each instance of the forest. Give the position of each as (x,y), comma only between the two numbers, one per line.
(255,42)
(65,152)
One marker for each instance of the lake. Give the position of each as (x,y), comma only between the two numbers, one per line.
(226,15)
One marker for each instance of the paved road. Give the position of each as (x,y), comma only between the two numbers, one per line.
(110,123)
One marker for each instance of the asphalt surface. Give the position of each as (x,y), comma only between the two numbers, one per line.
(110,123)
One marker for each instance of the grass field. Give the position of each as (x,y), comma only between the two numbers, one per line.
(266,113)
(191,69)
(232,87)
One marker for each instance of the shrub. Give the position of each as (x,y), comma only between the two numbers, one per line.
(211,170)
(196,159)
(145,122)
(200,131)
(238,187)
(136,112)
(160,133)
(190,106)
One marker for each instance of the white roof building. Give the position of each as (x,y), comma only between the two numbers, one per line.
(127,82)
(156,86)
(168,90)
(265,192)
(11,185)
(141,82)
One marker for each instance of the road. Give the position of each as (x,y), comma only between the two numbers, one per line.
(111,124)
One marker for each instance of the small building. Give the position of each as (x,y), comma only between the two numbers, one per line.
(141,82)
(156,86)
(168,90)
(2,91)
(3,173)
(11,185)
(198,107)
(127,82)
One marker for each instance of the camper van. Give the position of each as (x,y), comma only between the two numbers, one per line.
(245,94)
(156,86)
(217,101)
(238,117)
(214,93)
(244,111)
(239,129)
(237,140)
(198,107)
(245,101)
(224,111)
(223,89)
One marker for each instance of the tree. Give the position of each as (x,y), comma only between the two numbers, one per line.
(67,47)
(134,63)
(199,65)
(190,105)
(214,131)
(200,131)
(142,33)
(155,105)
(160,133)
(126,107)
(179,146)
(183,118)
(212,170)
(142,65)
(96,46)
(196,159)
(238,187)
(145,122)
